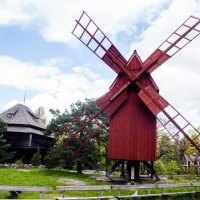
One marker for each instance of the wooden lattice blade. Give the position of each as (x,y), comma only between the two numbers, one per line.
(108,103)
(115,103)
(92,37)
(81,131)
(173,122)
(189,30)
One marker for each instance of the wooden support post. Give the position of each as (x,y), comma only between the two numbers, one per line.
(122,168)
(152,172)
(128,174)
(136,165)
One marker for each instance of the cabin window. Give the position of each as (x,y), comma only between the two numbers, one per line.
(10,115)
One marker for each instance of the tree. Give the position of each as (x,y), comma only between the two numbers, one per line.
(59,157)
(167,149)
(191,150)
(172,168)
(160,167)
(5,155)
(78,115)
(41,114)
(37,158)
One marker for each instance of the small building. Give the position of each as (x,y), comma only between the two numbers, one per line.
(187,162)
(25,132)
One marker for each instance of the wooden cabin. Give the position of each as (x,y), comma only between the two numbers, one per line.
(25,132)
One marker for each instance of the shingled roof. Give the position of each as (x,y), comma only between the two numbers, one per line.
(20,118)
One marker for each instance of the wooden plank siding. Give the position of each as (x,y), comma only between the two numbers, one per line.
(132,131)
(22,141)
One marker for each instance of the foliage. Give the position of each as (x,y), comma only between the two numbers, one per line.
(160,167)
(191,150)
(5,155)
(36,160)
(95,136)
(172,168)
(58,157)
(41,114)
(19,163)
(168,150)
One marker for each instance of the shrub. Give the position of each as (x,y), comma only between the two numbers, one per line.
(160,167)
(19,163)
(172,168)
(58,157)
(37,158)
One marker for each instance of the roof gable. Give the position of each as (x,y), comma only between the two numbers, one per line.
(21,115)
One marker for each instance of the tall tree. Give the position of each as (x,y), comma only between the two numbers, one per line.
(41,114)
(79,114)
(5,154)
(167,149)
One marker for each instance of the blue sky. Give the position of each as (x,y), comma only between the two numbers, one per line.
(39,55)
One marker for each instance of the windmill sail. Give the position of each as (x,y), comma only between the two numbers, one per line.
(173,122)
(183,35)
(92,37)
(80,129)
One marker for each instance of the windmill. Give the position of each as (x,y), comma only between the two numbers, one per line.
(133,103)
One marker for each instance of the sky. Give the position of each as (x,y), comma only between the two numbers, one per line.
(41,58)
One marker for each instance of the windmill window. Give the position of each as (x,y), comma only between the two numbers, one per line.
(78,31)
(106,43)
(85,21)
(92,28)
(192,34)
(191,21)
(99,36)
(85,38)
(10,115)
(100,52)
(93,45)
(182,30)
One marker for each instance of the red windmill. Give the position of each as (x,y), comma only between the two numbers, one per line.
(133,103)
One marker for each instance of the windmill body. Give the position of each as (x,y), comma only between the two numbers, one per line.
(132,134)
(132,102)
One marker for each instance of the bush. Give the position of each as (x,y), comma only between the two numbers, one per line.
(172,168)
(5,154)
(160,167)
(37,158)
(19,163)
(58,157)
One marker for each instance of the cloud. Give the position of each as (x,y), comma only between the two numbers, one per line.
(168,21)
(52,85)
(177,78)
(56,20)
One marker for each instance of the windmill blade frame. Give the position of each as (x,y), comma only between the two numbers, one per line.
(93,38)
(173,122)
(181,37)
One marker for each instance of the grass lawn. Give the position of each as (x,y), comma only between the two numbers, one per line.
(51,178)
(40,177)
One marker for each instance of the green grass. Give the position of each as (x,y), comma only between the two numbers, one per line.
(40,177)
(50,178)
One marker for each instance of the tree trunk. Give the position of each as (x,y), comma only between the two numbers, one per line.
(79,168)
